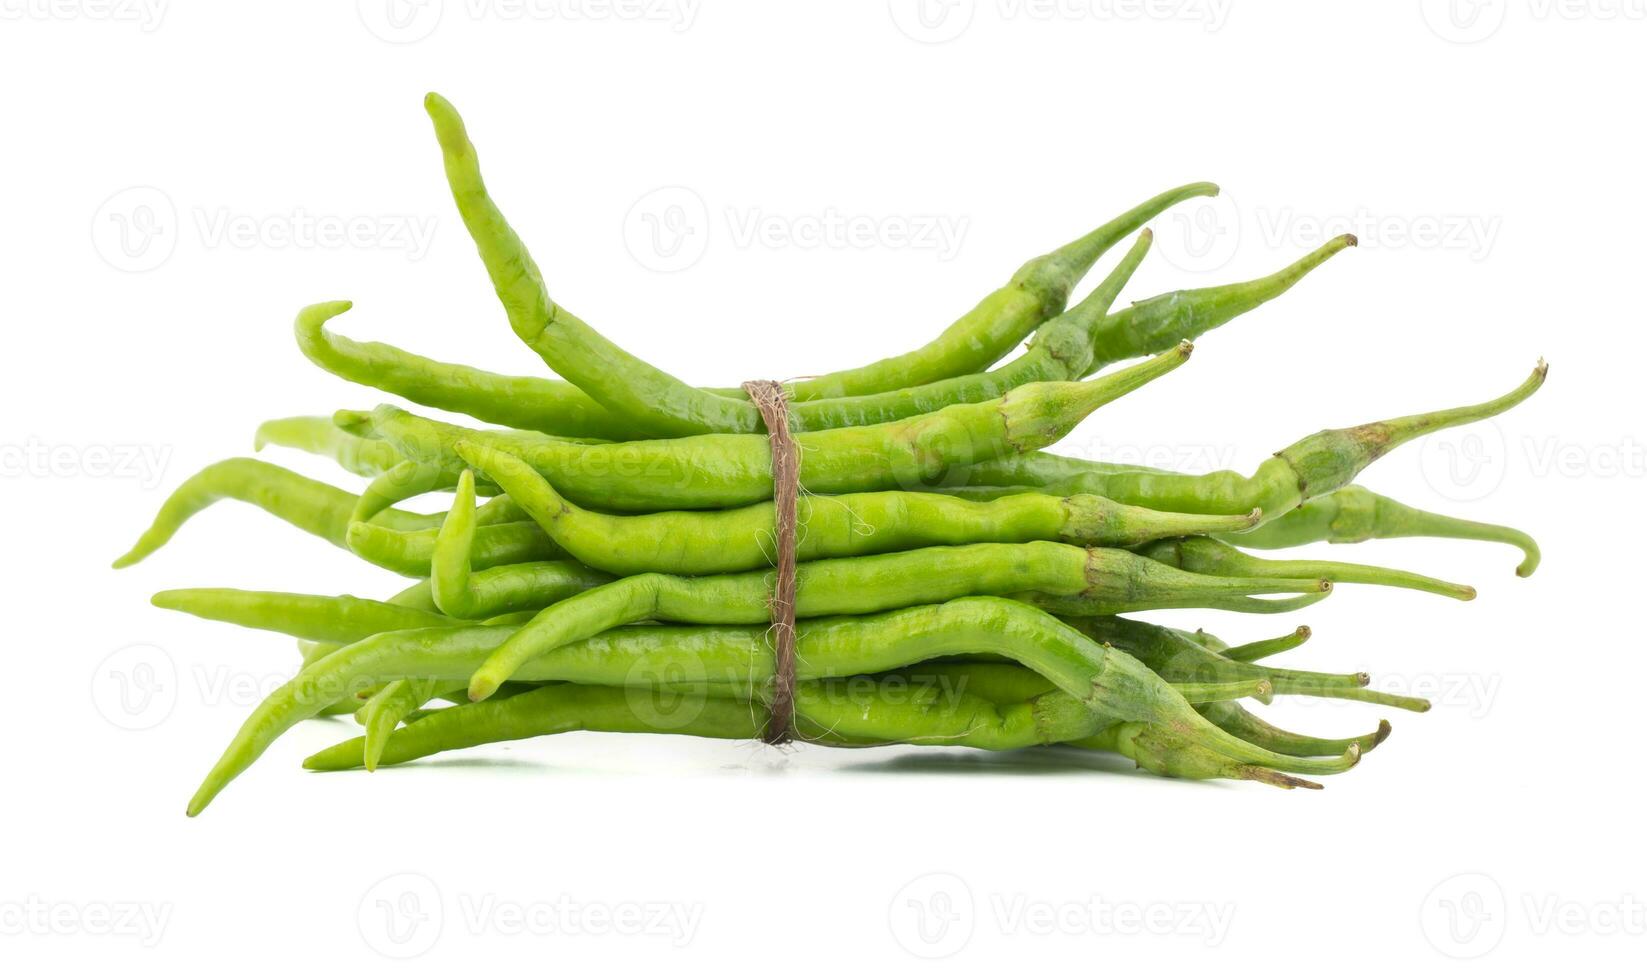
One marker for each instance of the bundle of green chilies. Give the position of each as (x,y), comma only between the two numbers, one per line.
(957,585)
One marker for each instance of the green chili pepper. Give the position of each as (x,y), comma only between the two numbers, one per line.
(1157,323)
(312,506)
(385,709)
(662,405)
(828,713)
(956,586)
(520,402)
(1098,679)
(321,436)
(1206,555)
(1356,514)
(715,471)
(1074,345)
(1248,727)
(1146,327)
(707,542)
(1179,659)
(403,481)
(1097,580)
(1060,351)
(416,597)
(1006,683)
(326,619)
(989,332)
(411,552)
(1310,593)
(1314,466)
(526,587)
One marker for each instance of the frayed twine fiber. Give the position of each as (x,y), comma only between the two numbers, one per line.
(770,398)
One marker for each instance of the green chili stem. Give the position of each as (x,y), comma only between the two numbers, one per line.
(1206,555)
(1248,727)
(1258,650)
(1356,514)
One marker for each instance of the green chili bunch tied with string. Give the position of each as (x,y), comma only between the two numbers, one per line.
(605,559)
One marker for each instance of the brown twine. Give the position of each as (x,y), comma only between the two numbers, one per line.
(773,402)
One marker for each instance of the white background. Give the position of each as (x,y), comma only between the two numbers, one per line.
(1496,186)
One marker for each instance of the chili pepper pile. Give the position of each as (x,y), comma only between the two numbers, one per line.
(957,584)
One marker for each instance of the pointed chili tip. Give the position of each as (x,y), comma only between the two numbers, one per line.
(1384,729)
(352,420)
(449,129)
(336,306)
(1279,780)
(1146,236)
